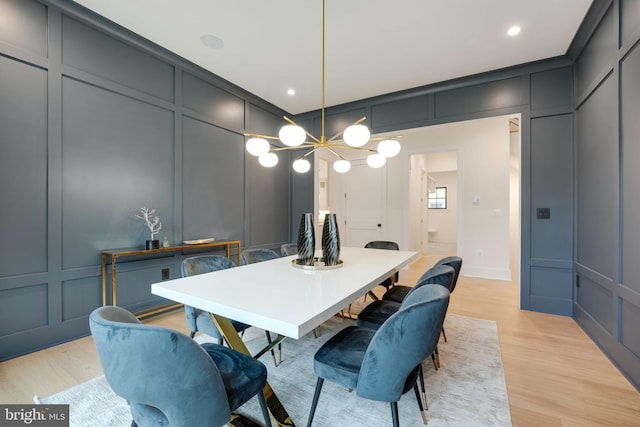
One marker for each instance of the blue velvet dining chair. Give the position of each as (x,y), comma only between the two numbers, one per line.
(199,320)
(252,256)
(376,313)
(170,380)
(398,293)
(288,249)
(454,262)
(393,246)
(366,360)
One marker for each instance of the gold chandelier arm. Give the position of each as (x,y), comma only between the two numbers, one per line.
(257,135)
(338,155)
(306,145)
(309,152)
(357,122)
(348,147)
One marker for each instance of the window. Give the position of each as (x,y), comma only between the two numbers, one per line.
(438,199)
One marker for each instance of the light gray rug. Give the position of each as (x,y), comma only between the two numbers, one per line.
(468,390)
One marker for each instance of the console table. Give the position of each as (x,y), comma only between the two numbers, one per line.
(114,254)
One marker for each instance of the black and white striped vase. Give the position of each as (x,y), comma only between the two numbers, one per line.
(330,240)
(306,240)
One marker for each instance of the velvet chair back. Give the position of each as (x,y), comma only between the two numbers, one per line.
(438,275)
(288,249)
(166,377)
(197,320)
(401,344)
(251,256)
(454,262)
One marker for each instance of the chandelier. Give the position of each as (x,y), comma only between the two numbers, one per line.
(354,137)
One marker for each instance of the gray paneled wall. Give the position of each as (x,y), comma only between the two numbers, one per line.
(607,146)
(97,123)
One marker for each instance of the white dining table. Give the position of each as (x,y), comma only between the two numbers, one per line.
(283,298)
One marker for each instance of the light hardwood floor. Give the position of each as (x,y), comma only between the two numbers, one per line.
(556,376)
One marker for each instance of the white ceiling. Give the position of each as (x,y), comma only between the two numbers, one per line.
(372,47)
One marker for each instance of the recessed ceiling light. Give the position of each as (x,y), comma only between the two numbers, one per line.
(211,41)
(291,92)
(514,30)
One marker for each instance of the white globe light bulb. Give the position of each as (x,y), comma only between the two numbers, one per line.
(292,135)
(301,165)
(376,160)
(257,146)
(356,135)
(341,166)
(389,147)
(268,160)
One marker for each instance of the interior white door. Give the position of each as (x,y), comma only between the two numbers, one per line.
(365,204)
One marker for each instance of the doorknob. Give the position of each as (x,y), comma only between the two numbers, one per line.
(379,225)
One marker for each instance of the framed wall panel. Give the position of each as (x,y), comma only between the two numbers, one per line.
(102,55)
(212,182)
(597,181)
(117,156)
(23,308)
(219,106)
(23,168)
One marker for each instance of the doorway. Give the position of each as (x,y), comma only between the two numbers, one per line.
(487,162)
(434,202)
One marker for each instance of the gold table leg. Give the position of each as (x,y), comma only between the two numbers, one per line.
(277,411)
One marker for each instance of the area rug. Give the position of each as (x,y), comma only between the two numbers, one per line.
(468,390)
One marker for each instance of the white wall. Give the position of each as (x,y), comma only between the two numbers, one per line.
(482,148)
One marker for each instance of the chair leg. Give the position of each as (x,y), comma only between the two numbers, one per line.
(314,403)
(394,414)
(424,393)
(265,411)
(419,399)
(444,335)
(273,354)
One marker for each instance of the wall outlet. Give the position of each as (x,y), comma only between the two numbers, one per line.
(543,213)
(166,274)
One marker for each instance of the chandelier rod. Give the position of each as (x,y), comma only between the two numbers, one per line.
(323,138)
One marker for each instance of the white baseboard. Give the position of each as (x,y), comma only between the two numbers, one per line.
(486,273)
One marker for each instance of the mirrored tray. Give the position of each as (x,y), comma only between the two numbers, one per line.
(318,264)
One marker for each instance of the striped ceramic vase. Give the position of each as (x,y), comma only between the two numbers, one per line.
(306,240)
(330,240)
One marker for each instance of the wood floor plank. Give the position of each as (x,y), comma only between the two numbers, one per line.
(555,375)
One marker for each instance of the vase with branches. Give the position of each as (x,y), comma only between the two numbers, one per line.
(153,223)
